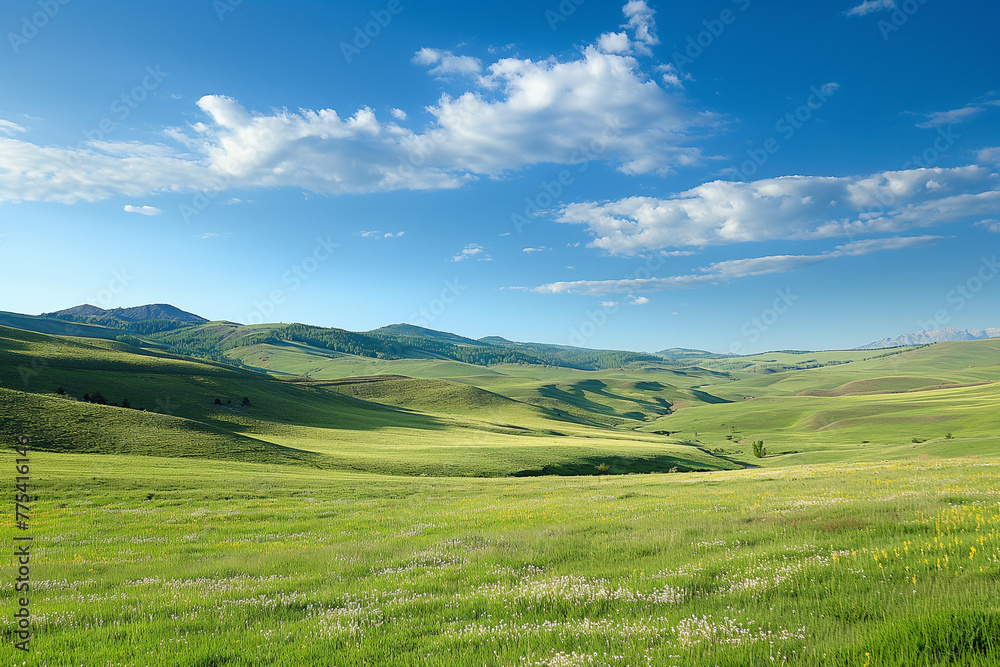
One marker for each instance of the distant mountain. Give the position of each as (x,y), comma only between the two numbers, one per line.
(935,336)
(412,330)
(155,311)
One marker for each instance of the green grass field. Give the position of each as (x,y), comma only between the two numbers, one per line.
(424,511)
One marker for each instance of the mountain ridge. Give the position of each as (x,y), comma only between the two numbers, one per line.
(927,337)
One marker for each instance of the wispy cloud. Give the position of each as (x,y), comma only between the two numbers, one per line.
(870,6)
(445,62)
(991,224)
(143,210)
(732,269)
(534,250)
(9,127)
(960,115)
(951,117)
(381,235)
(472,251)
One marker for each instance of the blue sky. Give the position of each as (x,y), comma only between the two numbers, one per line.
(731,175)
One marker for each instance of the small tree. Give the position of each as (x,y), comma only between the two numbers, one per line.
(246,400)
(61,391)
(758,449)
(218,401)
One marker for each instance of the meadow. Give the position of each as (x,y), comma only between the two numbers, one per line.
(426,511)
(158,561)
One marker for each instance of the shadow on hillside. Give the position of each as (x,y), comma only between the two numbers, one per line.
(577,396)
(705,397)
(616,465)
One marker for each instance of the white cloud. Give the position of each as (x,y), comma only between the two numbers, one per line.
(614,42)
(640,21)
(608,304)
(638,301)
(732,269)
(380,235)
(830,88)
(989,155)
(447,63)
(870,6)
(533,250)
(991,224)
(472,251)
(512,114)
(143,210)
(789,207)
(939,118)
(9,127)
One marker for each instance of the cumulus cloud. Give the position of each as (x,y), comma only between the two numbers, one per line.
(143,210)
(991,224)
(640,21)
(614,42)
(870,6)
(472,251)
(719,272)
(638,301)
(512,114)
(445,62)
(789,207)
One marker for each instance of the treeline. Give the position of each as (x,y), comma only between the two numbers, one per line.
(143,328)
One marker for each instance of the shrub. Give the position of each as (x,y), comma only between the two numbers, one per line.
(758,449)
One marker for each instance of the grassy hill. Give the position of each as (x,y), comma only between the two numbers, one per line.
(183,407)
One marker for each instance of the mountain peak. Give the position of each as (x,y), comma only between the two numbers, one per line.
(154,311)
